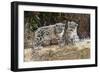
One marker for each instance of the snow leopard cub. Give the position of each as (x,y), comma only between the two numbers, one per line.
(71,35)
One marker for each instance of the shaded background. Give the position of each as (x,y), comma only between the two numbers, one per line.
(34,20)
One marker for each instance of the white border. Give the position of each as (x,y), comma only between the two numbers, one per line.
(22,64)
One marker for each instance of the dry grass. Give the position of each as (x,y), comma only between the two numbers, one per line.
(81,50)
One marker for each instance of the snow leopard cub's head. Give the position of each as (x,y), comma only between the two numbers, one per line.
(72,26)
(59,28)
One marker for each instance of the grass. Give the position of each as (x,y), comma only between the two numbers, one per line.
(80,50)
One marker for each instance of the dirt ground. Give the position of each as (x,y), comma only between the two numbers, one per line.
(80,50)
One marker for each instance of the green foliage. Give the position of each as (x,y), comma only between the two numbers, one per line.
(38,19)
(32,20)
(33,25)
